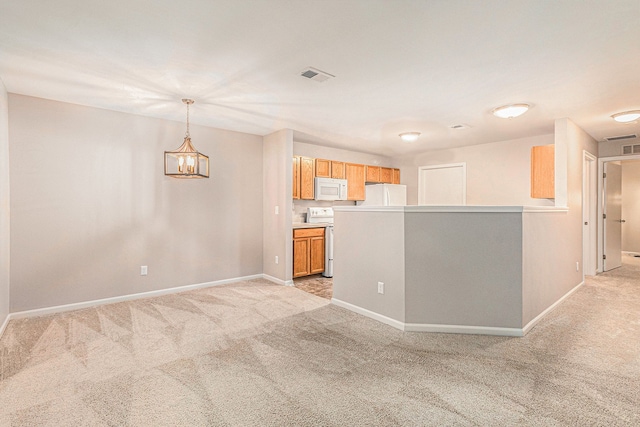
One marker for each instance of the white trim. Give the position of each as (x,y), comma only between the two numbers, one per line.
(539,317)
(421,327)
(4,325)
(544,209)
(278,281)
(86,304)
(463,209)
(459,209)
(368,313)
(368,208)
(463,329)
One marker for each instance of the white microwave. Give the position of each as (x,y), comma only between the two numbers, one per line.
(331,189)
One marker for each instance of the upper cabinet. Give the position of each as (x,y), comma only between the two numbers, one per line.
(337,170)
(373,173)
(543,172)
(396,176)
(323,168)
(355,174)
(386,175)
(296,177)
(305,169)
(307,173)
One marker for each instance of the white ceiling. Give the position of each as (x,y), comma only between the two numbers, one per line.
(403,65)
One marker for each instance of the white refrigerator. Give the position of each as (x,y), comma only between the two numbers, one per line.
(385,195)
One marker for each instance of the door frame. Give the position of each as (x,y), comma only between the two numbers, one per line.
(601,162)
(463,165)
(589,232)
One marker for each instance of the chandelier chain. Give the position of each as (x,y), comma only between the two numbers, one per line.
(187,134)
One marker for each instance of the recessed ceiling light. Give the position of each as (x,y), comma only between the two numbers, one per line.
(627,116)
(409,136)
(510,111)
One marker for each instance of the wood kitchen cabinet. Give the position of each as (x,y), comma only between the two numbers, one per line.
(337,170)
(296,177)
(543,172)
(307,174)
(386,175)
(372,173)
(396,176)
(355,174)
(308,251)
(323,168)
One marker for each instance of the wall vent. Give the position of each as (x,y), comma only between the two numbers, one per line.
(620,138)
(315,74)
(631,149)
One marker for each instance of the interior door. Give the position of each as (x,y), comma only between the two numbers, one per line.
(613,216)
(444,185)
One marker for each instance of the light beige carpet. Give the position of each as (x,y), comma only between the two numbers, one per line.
(258,354)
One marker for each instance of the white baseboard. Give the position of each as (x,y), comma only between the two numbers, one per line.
(4,325)
(539,317)
(423,327)
(368,313)
(463,329)
(150,294)
(278,281)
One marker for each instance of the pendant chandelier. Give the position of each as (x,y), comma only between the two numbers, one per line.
(186,161)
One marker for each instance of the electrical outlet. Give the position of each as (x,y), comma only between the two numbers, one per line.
(381,287)
(143,270)
(577,266)
(277,259)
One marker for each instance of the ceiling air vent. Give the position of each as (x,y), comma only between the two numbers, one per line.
(460,126)
(315,74)
(620,138)
(631,149)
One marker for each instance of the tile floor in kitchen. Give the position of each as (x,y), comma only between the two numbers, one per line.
(316,285)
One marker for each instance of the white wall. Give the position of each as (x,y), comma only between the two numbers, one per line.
(631,206)
(277,184)
(498,173)
(614,148)
(90,204)
(555,240)
(4,206)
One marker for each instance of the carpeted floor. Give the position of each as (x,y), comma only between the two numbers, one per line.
(258,354)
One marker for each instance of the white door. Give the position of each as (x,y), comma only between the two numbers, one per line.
(589,214)
(443,185)
(613,216)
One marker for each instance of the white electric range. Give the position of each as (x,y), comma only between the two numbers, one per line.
(324,216)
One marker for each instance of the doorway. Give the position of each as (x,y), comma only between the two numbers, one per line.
(443,185)
(617,228)
(589,214)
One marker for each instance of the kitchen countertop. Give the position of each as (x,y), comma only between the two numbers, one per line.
(310,225)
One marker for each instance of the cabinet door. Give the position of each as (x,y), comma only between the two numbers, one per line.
(542,172)
(296,177)
(301,257)
(355,181)
(337,170)
(373,174)
(396,176)
(307,173)
(386,175)
(317,255)
(323,168)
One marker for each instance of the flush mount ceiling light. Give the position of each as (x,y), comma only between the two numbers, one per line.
(410,136)
(510,111)
(627,116)
(186,161)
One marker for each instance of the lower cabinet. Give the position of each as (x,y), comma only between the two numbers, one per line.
(308,251)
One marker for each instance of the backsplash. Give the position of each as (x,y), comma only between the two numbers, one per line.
(300,207)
